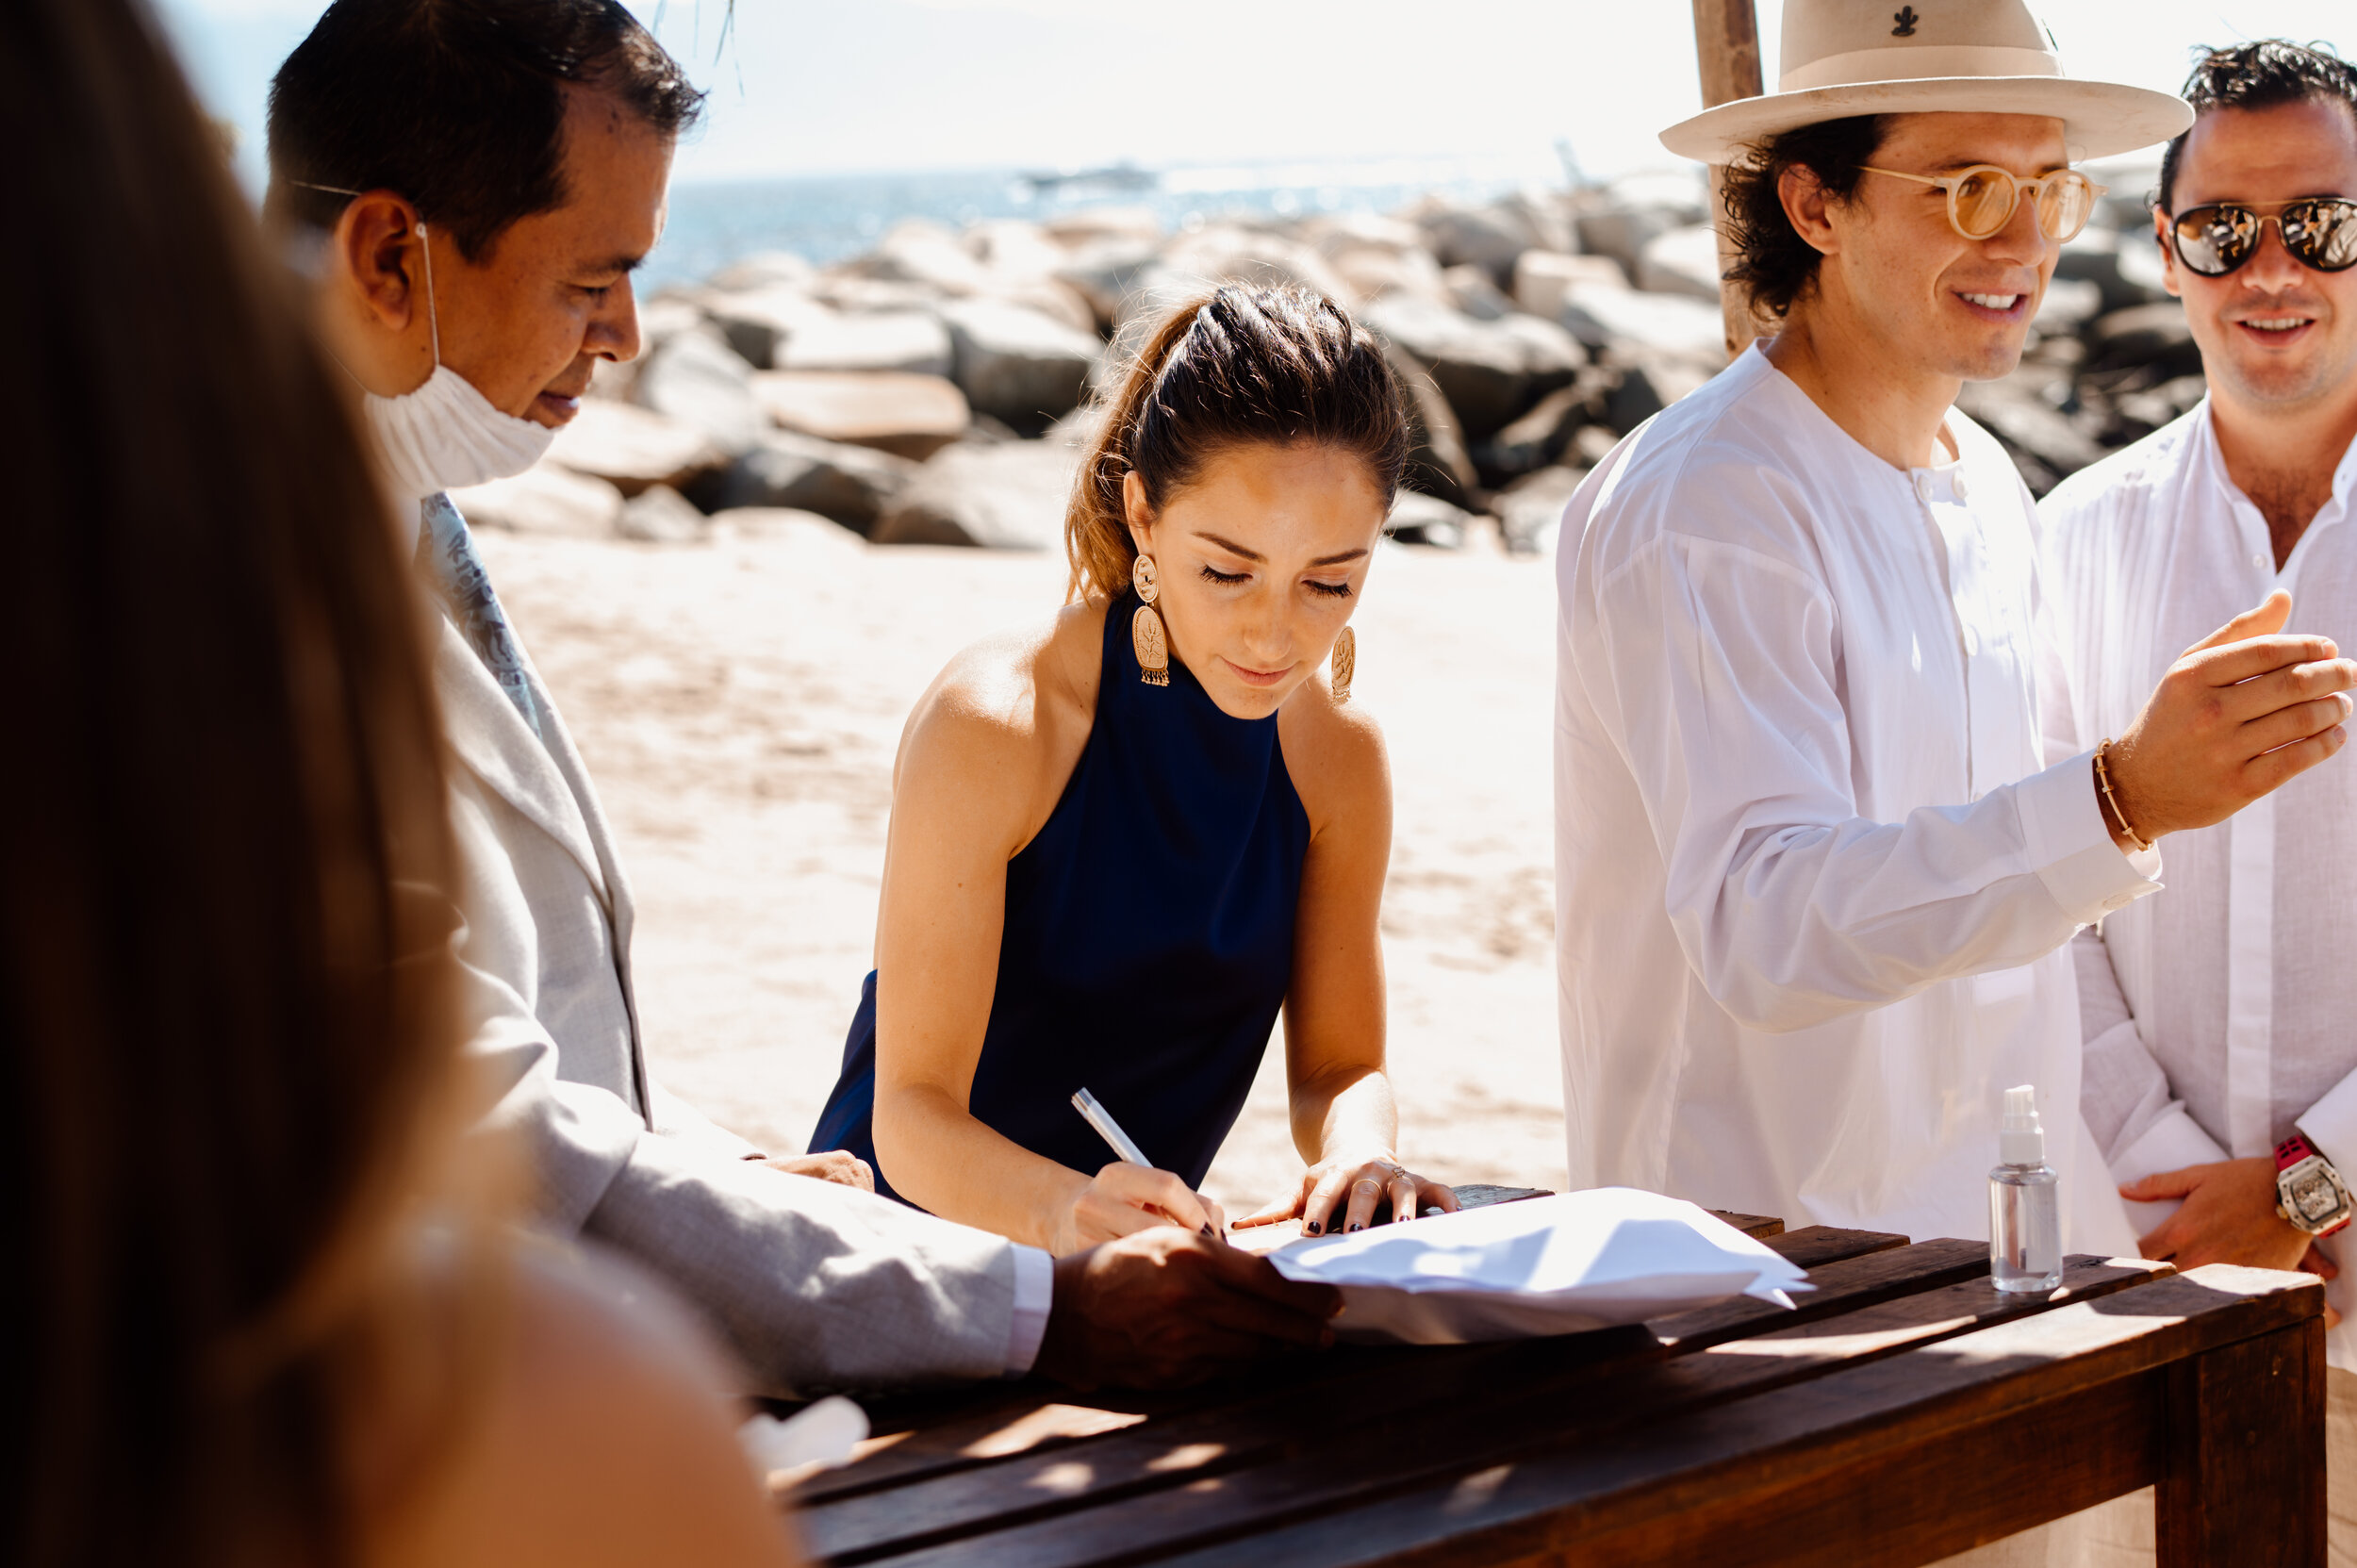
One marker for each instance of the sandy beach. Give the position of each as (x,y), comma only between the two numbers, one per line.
(740,701)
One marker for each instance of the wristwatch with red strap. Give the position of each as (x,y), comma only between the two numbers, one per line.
(2309,1192)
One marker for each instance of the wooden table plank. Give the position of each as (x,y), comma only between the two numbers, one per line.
(972,1429)
(1368,1438)
(2085,1386)
(1758,1227)
(938,1432)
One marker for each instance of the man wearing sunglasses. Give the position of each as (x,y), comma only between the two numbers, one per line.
(2221,1020)
(1815,882)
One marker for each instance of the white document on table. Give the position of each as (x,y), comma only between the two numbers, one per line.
(1545,1266)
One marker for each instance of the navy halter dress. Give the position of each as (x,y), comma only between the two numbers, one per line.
(1148,940)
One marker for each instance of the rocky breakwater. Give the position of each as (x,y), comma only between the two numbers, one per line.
(937,391)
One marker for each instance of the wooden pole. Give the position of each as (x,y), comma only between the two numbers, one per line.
(1727,48)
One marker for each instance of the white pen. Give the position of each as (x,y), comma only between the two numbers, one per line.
(1107,1128)
(1110,1129)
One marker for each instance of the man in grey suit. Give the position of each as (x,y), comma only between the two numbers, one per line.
(478,178)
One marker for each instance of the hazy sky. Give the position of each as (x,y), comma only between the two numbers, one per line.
(826,86)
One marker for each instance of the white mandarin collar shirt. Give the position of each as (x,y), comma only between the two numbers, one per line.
(1814,890)
(2224,1013)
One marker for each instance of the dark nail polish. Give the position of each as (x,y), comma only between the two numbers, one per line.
(1356,1226)
(1311,1228)
(1207,1229)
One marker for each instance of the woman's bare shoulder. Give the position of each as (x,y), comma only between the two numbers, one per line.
(1334,753)
(604,1432)
(1008,715)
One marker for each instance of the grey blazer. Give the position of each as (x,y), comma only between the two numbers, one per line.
(815,1286)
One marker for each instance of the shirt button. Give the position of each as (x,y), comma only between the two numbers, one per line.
(1923,488)
(2258,560)
(1959,485)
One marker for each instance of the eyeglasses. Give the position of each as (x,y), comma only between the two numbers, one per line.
(1981,199)
(2320,232)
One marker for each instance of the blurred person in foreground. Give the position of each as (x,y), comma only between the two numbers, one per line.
(2220,1056)
(1815,882)
(1125,837)
(477,180)
(259,1310)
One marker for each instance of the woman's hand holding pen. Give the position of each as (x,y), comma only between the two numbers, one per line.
(1125,1199)
(1356,1185)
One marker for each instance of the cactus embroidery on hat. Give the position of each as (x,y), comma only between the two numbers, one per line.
(1906,18)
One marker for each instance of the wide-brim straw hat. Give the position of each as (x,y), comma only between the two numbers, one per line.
(1844,58)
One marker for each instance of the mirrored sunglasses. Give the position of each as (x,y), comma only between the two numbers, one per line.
(1981,199)
(2320,232)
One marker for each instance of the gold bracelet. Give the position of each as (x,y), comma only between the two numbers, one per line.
(2103,781)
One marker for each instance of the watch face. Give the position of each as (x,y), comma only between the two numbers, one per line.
(2311,1196)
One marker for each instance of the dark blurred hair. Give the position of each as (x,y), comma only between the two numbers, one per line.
(1242,367)
(457,106)
(224,1010)
(1773,265)
(2262,74)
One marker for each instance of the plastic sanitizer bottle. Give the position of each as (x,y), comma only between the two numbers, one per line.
(2025,1219)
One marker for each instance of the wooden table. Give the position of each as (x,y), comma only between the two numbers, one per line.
(1905,1412)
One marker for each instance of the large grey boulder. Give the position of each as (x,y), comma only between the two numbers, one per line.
(1017,365)
(697,378)
(1420,518)
(1230,253)
(662,516)
(1472,293)
(1543,279)
(1006,497)
(756,321)
(2153,335)
(761,269)
(633,448)
(1491,236)
(1437,461)
(2126,268)
(545,500)
(1530,510)
(1649,381)
(1681,261)
(1105,272)
(853,484)
(1606,318)
(909,416)
(911,341)
(1488,371)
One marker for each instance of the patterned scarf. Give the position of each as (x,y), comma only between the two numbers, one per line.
(454,573)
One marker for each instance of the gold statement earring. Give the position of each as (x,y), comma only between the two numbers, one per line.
(1345,663)
(1147,634)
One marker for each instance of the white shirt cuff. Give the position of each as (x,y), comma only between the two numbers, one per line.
(2331,1124)
(1034,1292)
(2071,845)
(2172,1143)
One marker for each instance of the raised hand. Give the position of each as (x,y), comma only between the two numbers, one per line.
(2244,710)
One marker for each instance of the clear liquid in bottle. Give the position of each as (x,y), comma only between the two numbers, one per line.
(2024,1229)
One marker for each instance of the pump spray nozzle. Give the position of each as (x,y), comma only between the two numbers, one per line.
(2021,1141)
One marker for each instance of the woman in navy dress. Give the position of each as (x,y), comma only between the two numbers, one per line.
(1123,840)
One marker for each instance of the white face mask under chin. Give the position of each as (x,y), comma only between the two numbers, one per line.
(446,435)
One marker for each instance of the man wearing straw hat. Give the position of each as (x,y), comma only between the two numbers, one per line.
(1815,881)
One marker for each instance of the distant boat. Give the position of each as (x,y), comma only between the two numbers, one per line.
(1118,176)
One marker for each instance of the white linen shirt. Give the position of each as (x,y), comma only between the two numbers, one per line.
(2222,1014)
(1813,889)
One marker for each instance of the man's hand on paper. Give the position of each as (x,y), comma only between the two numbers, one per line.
(1342,1194)
(1165,1307)
(838,1165)
(2244,710)
(2228,1216)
